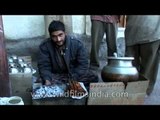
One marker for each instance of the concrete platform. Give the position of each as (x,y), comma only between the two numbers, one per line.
(154,98)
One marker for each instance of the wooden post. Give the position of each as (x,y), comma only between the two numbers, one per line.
(5,86)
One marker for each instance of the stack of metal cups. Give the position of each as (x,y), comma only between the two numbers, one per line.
(18,65)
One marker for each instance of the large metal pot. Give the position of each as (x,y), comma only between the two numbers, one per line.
(119,69)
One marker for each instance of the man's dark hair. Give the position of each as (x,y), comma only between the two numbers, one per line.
(55,26)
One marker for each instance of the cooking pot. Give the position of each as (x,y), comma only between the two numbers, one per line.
(119,69)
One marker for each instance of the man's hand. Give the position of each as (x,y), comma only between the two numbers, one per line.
(47,82)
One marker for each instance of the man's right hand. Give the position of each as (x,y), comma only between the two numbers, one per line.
(47,82)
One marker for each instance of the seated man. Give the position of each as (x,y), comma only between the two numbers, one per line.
(62,58)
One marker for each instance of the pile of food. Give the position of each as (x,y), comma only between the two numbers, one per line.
(73,89)
(48,91)
(76,89)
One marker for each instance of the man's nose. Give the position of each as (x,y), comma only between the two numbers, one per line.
(58,39)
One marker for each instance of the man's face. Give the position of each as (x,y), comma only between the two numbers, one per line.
(58,37)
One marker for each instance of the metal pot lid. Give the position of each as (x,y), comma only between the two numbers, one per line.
(121,58)
(115,57)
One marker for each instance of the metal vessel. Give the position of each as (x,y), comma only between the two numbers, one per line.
(119,69)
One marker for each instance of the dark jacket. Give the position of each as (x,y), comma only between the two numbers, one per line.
(75,58)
